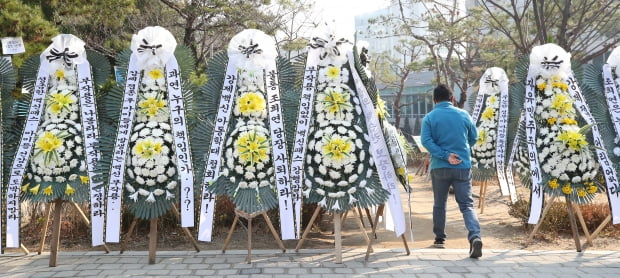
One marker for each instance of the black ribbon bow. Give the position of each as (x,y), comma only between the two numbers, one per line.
(551,64)
(493,82)
(320,43)
(252,49)
(65,55)
(146,46)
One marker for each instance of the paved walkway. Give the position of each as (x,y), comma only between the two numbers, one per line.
(318,263)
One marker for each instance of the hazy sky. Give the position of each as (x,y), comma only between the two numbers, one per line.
(343,11)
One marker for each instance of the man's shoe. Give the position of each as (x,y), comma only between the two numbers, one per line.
(475,249)
(439,243)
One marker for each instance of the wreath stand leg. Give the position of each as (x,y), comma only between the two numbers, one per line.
(129,234)
(573,224)
(55,232)
(308,228)
(48,213)
(369,218)
(572,220)
(584,227)
(374,232)
(599,229)
(542,216)
(249,217)
(152,240)
(483,195)
(175,210)
(358,219)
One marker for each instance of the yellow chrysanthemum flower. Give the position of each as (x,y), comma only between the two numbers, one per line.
(381,109)
(146,149)
(151,106)
(581,192)
(573,139)
(25,187)
(336,101)
(156,74)
(492,100)
(401,171)
(551,121)
(569,121)
(57,102)
(59,73)
(559,84)
(48,190)
(541,86)
(35,189)
(70,190)
(337,148)
(562,103)
(85,179)
(553,183)
(567,189)
(252,148)
(482,136)
(333,72)
(251,102)
(48,142)
(488,114)
(592,189)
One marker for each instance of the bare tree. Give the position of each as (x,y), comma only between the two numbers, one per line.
(586,28)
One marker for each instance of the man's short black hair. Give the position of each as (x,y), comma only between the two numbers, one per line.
(442,93)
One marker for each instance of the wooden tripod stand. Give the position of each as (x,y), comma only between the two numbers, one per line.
(56,228)
(249,217)
(153,235)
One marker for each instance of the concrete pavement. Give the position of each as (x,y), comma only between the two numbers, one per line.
(310,263)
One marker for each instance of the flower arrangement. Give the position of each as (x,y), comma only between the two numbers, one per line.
(57,167)
(484,151)
(247,172)
(151,165)
(567,160)
(151,175)
(338,167)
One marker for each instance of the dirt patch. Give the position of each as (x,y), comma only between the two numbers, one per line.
(499,230)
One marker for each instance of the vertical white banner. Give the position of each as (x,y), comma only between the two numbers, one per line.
(90,129)
(181,141)
(502,134)
(117,171)
(302,132)
(379,151)
(212,170)
(537,195)
(20,162)
(279,155)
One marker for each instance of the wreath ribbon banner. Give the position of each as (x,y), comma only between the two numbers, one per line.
(301,134)
(513,152)
(90,129)
(380,153)
(280,159)
(117,171)
(207,206)
(608,170)
(537,194)
(500,151)
(20,162)
(475,115)
(611,95)
(181,141)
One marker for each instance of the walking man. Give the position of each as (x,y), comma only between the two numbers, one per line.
(448,134)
